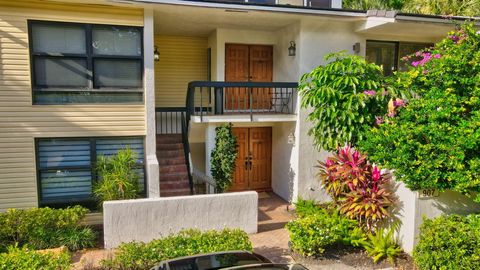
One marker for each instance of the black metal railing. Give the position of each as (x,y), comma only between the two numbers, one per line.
(217,98)
(168,119)
(172,120)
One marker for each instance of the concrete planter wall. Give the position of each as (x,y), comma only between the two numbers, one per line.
(414,206)
(148,219)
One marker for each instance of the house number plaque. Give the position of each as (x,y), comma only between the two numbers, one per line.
(428,193)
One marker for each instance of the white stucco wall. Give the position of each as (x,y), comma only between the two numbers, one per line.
(147,219)
(284,161)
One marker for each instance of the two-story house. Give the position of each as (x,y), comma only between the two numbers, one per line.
(82,78)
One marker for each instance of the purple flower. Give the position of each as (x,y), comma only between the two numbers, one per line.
(378,120)
(437,55)
(454,38)
(415,63)
(398,103)
(419,53)
(370,92)
(392,114)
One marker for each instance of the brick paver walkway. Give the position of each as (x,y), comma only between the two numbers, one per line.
(272,238)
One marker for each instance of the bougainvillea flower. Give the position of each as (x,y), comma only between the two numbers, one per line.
(370,92)
(328,163)
(398,103)
(378,120)
(437,55)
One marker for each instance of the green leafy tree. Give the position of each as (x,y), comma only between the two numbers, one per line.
(344,96)
(223,157)
(374,4)
(118,179)
(434,142)
(442,7)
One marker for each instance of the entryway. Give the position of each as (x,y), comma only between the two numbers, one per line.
(254,161)
(248,63)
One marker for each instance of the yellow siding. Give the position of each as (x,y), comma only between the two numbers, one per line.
(21,122)
(182,60)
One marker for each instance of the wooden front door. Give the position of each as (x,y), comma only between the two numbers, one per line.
(248,63)
(254,160)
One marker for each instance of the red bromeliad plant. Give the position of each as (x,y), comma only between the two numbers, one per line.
(357,187)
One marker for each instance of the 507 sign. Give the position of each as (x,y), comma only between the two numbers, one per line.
(428,193)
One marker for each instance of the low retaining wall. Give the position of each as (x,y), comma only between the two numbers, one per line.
(413,207)
(148,219)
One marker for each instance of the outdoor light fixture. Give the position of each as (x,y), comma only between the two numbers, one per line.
(291,138)
(156,54)
(292,48)
(356,47)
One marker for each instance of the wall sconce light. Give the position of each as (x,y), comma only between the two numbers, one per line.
(156,54)
(292,49)
(356,47)
(291,138)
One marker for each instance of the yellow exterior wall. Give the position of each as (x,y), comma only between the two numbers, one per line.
(21,122)
(182,60)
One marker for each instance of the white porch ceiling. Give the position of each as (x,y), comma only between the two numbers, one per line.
(195,21)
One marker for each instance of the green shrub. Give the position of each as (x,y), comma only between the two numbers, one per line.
(118,177)
(310,234)
(40,228)
(345,95)
(137,255)
(434,140)
(449,242)
(224,157)
(25,259)
(305,208)
(382,244)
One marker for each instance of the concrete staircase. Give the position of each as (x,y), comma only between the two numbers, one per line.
(173,168)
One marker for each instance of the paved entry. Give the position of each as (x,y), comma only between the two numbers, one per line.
(272,237)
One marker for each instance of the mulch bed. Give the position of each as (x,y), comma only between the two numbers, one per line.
(355,257)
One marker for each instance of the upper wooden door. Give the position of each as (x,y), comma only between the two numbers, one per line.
(248,63)
(254,160)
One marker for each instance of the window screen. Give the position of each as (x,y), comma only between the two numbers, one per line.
(66,169)
(83,63)
(383,54)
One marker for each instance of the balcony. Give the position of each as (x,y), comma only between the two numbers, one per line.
(241,101)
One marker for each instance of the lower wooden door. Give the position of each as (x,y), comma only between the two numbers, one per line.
(254,160)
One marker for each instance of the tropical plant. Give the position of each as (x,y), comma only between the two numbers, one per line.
(449,242)
(360,189)
(442,7)
(137,255)
(40,228)
(382,244)
(118,178)
(344,96)
(374,4)
(27,259)
(223,157)
(433,142)
(310,235)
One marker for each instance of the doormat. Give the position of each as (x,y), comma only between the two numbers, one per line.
(263,195)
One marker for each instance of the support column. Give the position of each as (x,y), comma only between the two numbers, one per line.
(152,168)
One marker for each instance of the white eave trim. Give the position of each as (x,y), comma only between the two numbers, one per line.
(237,7)
(425,19)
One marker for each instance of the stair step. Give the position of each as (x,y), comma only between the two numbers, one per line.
(169,138)
(170,185)
(169,146)
(174,177)
(175,192)
(169,169)
(170,161)
(170,154)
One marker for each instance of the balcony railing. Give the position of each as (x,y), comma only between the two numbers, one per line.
(206,98)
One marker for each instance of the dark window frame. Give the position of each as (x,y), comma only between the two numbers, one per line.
(90,58)
(309,4)
(90,201)
(397,48)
